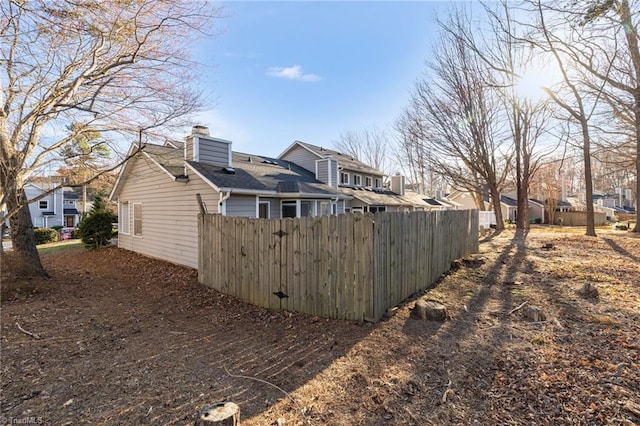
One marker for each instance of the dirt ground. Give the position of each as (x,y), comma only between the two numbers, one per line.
(114,338)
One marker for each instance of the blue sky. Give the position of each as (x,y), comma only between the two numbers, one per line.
(281,71)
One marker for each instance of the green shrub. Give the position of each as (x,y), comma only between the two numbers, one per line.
(57,227)
(96,229)
(45,235)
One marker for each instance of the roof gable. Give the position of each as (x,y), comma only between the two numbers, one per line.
(345,161)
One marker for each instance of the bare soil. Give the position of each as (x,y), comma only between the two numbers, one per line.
(115,338)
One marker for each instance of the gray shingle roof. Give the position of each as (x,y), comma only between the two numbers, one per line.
(250,172)
(345,160)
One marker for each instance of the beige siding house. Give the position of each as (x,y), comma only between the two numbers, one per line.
(156,193)
(158,214)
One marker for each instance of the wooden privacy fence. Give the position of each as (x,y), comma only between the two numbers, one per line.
(346,266)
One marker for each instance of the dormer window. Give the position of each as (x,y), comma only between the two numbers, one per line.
(344,178)
(367,181)
(378,183)
(357,180)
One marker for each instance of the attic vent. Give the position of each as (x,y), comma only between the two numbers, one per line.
(249,159)
(229,170)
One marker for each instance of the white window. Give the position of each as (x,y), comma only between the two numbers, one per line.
(137,219)
(357,180)
(325,208)
(344,178)
(123,218)
(378,183)
(367,181)
(377,209)
(263,209)
(307,208)
(289,209)
(43,204)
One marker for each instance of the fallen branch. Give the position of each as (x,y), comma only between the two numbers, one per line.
(34,335)
(239,376)
(444,396)
(518,307)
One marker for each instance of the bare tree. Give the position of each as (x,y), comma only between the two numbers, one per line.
(368,145)
(562,38)
(508,56)
(457,115)
(615,44)
(418,161)
(112,67)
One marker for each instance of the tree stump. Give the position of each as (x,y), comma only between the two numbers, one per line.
(588,291)
(535,314)
(222,414)
(430,310)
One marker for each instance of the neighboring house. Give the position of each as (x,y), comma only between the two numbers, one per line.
(462,199)
(48,211)
(55,209)
(156,193)
(363,184)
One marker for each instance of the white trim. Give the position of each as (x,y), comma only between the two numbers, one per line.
(268,203)
(133,213)
(348,178)
(297,204)
(125,167)
(300,144)
(201,176)
(159,165)
(128,213)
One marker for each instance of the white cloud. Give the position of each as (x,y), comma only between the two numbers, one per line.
(294,72)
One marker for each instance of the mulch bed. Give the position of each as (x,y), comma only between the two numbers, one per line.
(113,337)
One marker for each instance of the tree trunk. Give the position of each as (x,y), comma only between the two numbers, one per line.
(23,238)
(586,151)
(222,414)
(495,200)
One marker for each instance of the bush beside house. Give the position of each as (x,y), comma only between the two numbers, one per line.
(96,229)
(45,235)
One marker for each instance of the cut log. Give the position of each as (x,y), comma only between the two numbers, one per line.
(430,310)
(535,314)
(222,414)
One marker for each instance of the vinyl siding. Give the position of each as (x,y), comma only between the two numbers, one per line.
(212,151)
(169,213)
(363,176)
(302,157)
(322,170)
(241,205)
(274,207)
(55,201)
(333,170)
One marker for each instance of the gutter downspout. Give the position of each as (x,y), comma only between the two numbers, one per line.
(224,198)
